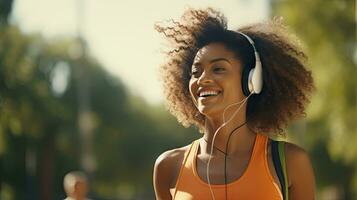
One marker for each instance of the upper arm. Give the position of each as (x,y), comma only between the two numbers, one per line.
(300,173)
(162,177)
(166,170)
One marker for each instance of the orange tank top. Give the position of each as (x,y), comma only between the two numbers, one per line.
(255,183)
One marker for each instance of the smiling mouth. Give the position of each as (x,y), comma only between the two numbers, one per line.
(207,94)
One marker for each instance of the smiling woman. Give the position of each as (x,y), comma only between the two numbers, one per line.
(239,88)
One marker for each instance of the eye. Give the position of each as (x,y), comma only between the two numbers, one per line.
(194,72)
(218,69)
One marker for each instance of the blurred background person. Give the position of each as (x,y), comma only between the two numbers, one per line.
(76,185)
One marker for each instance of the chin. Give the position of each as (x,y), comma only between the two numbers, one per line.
(210,111)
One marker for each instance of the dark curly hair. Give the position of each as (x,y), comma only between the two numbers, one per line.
(287,83)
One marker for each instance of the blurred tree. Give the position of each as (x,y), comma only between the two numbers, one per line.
(328,28)
(38,122)
(11,130)
(5,10)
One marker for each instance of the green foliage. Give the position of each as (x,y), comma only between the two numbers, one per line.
(39,122)
(328,29)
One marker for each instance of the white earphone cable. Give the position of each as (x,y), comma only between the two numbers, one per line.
(215,134)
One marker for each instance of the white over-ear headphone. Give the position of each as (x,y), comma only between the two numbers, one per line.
(252,78)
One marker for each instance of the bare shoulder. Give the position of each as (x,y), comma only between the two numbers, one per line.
(300,172)
(295,152)
(166,170)
(171,159)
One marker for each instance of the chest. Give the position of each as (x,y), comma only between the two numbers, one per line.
(228,170)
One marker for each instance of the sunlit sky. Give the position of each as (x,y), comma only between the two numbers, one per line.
(120,33)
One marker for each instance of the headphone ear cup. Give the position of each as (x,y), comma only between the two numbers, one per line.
(245,80)
(257,78)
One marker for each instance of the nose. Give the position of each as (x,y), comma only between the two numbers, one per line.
(205,78)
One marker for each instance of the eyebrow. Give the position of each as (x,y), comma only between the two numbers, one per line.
(214,60)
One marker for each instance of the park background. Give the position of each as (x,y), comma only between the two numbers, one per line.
(80,90)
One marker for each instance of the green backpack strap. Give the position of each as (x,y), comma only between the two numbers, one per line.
(283,163)
(278,155)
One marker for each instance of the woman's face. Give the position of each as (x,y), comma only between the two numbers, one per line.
(216,79)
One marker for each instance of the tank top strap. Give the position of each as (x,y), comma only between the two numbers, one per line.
(186,162)
(260,148)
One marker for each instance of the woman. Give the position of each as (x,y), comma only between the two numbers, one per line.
(239,88)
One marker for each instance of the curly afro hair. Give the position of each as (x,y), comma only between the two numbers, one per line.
(287,83)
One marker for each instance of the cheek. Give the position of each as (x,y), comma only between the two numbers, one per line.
(192,86)
(233,87)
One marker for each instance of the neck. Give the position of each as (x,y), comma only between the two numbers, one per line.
(79,198)
(241,138)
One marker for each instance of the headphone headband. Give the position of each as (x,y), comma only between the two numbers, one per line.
(249,39)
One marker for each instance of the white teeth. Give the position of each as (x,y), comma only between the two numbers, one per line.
(210,93)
